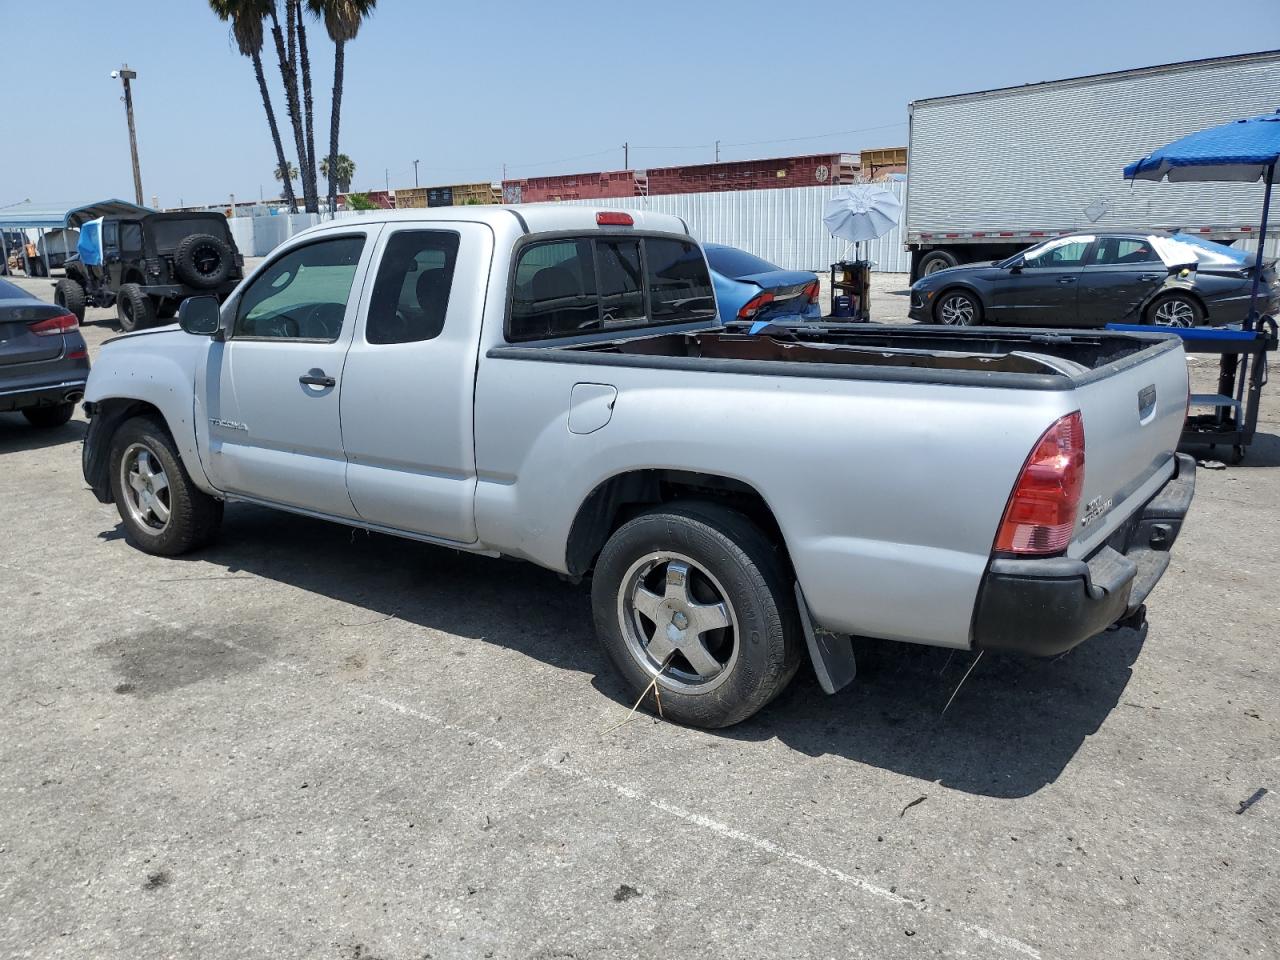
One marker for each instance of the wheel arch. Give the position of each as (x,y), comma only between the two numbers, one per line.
(106,417)
(964,287)
(619,498)
(1191,293)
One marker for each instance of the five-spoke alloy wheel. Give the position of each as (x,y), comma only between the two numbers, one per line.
(163,511)
(695,599)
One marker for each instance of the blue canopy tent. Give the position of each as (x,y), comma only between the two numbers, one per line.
(1242,151)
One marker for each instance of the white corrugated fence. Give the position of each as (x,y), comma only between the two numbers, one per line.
(782,226)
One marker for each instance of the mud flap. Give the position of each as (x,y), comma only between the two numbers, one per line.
(831,653)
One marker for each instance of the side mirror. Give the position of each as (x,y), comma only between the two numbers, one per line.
(200,316)
(1015,267)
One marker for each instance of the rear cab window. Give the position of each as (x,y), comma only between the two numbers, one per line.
(569,286)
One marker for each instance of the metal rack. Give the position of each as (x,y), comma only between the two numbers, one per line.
(1232,412)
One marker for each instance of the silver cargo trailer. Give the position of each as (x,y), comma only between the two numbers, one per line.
(990,173)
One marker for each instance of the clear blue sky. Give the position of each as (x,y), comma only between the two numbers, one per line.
(465,87)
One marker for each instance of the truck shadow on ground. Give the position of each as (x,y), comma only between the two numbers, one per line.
(1011,730)
(17,435)
(1263,452)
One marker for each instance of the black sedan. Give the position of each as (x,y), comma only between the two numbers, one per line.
(1101,277)
(44,362)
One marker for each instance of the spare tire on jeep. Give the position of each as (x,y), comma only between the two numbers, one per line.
(203,260)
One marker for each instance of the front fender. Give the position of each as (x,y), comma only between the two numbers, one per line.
(146,373)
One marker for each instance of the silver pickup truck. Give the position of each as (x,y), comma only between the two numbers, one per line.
(551,383)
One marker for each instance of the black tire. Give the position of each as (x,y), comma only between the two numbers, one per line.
(1174,310)
(957,308)
(727,557)
(203,260)
(135,310)
(51,417)
(193,515)
(70,295)
(936,260)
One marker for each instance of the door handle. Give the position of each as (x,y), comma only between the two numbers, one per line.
(1149,276)
(1066,279)
(316,378)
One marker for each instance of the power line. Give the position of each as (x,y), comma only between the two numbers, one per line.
(818,136)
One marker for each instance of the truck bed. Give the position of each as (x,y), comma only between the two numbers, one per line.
(1030,359)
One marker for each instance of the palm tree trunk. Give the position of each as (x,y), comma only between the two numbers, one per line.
(290,78)
(339,58)
(307,106)
(275,130)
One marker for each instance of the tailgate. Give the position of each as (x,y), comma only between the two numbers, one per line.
(1133,417)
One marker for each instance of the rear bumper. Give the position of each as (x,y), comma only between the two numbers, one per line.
(42,395)
(1045,607)
(178,291)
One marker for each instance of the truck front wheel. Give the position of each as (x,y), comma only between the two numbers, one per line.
(163,511)
(936,260)
(696,596)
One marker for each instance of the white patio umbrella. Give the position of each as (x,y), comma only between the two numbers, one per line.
(862,212)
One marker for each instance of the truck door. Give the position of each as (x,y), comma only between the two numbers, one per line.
(271,389)
(1119,276)
(409,383)
(1043,289)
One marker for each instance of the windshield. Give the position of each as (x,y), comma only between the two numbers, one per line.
(732,262)
(167,234)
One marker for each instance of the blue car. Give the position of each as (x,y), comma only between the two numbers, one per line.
(750,289)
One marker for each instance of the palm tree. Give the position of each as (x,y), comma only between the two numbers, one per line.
(345,171)
(292,170)
(288,58)
(342,19)
(246,18)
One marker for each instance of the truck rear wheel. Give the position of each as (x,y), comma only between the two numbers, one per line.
(695,595)
(134,308)
(69,294)
(163,511)
(936,260)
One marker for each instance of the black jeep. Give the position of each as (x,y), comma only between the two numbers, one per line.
(148,263)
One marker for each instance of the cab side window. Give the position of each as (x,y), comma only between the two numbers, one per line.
(130,238)
(1121,250)
(1067,252)
(411,294)
(302,295)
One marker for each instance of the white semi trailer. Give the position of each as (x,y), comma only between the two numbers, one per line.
(990,173)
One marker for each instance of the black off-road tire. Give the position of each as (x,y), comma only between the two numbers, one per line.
(69,294)
(758,588)
(203,261)
(50,417)
(194,516)
(135,310)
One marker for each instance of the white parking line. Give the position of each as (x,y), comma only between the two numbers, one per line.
(528,761)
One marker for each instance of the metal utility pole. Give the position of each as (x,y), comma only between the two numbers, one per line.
(626,156)
(717,151)
(415,174)
(386,173)
(125,75)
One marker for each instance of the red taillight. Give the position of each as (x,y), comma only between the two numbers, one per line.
(54,326)
(78,355)
(1042,509)
(812,291)
(755,305)
(613,218)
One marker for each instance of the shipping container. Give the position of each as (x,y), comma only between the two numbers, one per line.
(468,193)
(809,171)
(572,186)
(409,198)
(992,172)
